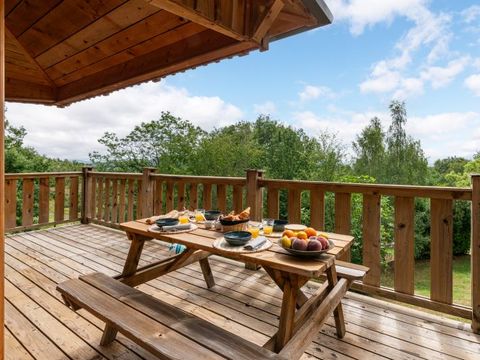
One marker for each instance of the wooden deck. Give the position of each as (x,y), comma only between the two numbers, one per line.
(39,326)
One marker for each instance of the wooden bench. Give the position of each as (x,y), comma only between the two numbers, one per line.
(350,271)
(162,329)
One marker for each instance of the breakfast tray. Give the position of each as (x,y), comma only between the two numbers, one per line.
(222,244)
(156,229)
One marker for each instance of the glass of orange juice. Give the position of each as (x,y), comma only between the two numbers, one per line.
(183,219)
(199,215)
(267,226)
(254,229)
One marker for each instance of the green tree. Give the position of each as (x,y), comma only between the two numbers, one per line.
(168,144)
(405,161)
(369,148)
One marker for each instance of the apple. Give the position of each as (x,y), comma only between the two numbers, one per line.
(299,244)
(314,245)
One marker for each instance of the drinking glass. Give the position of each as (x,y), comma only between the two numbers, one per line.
(254,229)
(183,219)
(199,215)
(267,226)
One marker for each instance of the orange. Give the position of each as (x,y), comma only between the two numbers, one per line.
(311,232)
(288,233)
(302,235)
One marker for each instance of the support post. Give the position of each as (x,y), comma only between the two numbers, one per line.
(2,173)
(148,185)
(254,201)
(475,253)
(87,188)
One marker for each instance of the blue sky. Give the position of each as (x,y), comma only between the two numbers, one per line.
(330,79)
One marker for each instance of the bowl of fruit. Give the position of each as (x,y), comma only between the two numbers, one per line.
(306,243)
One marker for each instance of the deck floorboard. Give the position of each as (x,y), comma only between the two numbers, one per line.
(39,326)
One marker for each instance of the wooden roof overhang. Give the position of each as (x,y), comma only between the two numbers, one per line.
(58,52)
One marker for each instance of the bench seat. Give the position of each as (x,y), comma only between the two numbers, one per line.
(161,328)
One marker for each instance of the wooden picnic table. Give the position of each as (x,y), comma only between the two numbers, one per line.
(299,314)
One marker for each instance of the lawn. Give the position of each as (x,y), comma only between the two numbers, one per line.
(461,279)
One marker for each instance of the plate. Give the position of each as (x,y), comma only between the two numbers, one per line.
(295,227)
(237,238)
(308,253)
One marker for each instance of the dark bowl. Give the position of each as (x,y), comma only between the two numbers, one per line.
(279,225)
(212,214)
(166,222)
(237,238)
(235,222)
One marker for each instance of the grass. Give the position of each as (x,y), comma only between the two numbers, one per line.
(461,279)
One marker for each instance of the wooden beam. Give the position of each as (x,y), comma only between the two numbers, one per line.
(475,253)
(23,91)
(2,173)
(187,12)
(271,15)
(203,48)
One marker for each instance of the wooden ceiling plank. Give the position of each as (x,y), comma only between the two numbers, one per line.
(23,91)
(27,74)
(28,13)
(203,48)
(27,57)
(152,26)
(64,20)
(267,22)
(181,9)
(155,43)
(118,19)
(296,18)
(10,5)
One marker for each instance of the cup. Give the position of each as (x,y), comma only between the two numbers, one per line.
(183,219)
(199,215)
(208,224)
(254,229)
(267,226)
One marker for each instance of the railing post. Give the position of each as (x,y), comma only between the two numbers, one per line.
(148,184)
(475,253)
(254,194)
(255,201)
(87,189)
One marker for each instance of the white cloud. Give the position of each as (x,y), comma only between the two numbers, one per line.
(442,76)
(72,132)
(473,83)
(363,13)
(382,79)
(311,92)
(409,87)
(471,13)
(268,107)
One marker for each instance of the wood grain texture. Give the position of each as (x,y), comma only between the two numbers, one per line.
(169,196)
(180,196)
(27,204)
(317,209)
(59,199)
(222,197)
(273,204)
(158,197)
(44,200)
(441,250)
(10,206)
(475,253)
(238,198)
(122,200)
(73,198)
(294,206)
(404,254)
(107,207)
(193,201)
(343,216)
(371,238)
(207,197)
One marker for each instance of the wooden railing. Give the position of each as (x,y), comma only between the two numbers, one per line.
(111,198)
(38,199)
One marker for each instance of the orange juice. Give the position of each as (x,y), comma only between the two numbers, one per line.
(183,219)
(199,217)
(267,229)
(254,230)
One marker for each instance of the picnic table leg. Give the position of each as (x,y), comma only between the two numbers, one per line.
(279,280)
(207,272)
(338,312)
(130,267)
(287,314)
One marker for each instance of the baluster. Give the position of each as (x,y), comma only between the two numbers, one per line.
(441,248)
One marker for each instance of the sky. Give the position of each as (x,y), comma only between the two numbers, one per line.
(334,79)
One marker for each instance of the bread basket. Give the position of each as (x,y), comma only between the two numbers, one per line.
(236,225)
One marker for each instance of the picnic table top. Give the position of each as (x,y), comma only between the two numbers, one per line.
(275,257)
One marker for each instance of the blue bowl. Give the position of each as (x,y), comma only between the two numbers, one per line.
(279,225)
(237,238)
(166,222)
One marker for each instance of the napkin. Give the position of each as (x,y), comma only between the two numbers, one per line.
(255,243)
(176,227)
